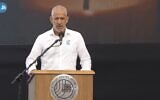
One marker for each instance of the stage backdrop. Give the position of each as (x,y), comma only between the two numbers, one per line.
(99,21)
(122,37)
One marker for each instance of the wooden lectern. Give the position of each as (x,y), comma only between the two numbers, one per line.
(39,85)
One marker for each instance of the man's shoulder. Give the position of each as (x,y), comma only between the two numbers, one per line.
(73,32)
(44,36)
(46,33)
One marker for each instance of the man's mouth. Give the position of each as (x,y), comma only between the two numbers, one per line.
(60,27)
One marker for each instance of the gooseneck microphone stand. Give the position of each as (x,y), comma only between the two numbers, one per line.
(19,77)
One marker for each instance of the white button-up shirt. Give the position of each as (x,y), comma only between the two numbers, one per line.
(63,57)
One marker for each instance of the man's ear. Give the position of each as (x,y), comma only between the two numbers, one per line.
(67,18)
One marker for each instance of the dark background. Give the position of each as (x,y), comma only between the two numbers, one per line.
(122,37)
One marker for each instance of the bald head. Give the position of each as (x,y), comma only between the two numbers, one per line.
(59,9)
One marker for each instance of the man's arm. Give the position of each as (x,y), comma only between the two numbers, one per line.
(85,59)
(35,52)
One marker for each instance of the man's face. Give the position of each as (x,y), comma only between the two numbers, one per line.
(59,21)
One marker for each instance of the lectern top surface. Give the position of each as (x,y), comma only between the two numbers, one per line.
(63,72)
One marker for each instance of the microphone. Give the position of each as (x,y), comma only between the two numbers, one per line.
(61,35)
(20,75)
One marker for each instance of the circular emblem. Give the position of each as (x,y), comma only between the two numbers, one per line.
(63,87)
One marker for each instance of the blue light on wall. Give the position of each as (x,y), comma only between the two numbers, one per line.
(3,7)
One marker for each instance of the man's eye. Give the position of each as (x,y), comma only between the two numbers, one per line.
(62,18)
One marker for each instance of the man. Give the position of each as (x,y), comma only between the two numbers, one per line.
(60,56)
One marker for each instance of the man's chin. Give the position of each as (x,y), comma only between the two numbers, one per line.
(61,30)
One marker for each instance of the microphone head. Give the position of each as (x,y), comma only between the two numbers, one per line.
(61,35)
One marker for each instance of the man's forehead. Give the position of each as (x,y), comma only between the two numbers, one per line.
(59,10)
(59,15)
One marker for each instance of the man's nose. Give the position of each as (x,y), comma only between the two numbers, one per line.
(59,21)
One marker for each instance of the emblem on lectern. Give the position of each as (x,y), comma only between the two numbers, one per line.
(63,87)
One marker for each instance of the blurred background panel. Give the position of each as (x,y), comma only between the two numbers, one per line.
(99,21)
(125,21)
(97,5)
(46,5)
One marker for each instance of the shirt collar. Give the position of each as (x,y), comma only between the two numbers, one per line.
(52,32)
